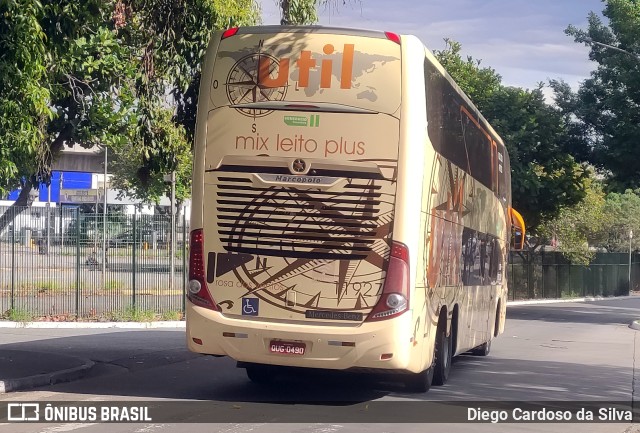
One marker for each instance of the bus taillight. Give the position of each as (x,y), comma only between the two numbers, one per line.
(393,37)
(395,294)
(197,291)
(229,32)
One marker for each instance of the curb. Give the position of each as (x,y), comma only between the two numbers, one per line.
(8,385)
(554,301)
(92,325)
(560,301)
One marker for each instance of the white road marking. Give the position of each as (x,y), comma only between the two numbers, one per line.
(66,428)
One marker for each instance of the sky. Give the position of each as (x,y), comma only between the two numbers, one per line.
(523,40)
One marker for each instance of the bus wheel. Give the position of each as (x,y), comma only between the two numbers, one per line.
(442,365)
(261,374)
(419,382)
(482,350)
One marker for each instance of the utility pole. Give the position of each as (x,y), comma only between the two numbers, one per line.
(49,215)
(61,213)
(172,245)
(630,237)
(173,229)
(104,220)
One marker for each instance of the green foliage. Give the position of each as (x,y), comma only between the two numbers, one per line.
(303,12)
(24,100)
(132,314)
(604,111)
(479,83)
(544,177)
(103,72)
(623,211)
(171,316)
(67,70)
(298,12)
(127,160)
(19,315)
(170,38)
(113,285)
(600,221)
(579,227)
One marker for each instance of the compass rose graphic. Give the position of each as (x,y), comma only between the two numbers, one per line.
(245,84)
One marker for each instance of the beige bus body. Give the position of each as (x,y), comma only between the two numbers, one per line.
(308,183)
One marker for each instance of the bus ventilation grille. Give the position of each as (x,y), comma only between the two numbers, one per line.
(304,223)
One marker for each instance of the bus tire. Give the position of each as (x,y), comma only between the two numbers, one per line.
(419,382)
(261,374)
(442,364)
(482,350)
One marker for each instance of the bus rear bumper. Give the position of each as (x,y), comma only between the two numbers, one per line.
(385,344)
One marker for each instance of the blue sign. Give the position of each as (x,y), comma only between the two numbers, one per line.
(250,306)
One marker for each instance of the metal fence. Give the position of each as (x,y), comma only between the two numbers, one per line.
(548,275)
(66,262)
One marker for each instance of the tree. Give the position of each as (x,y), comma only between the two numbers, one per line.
(298,12)
(302,12)
(78,71)
(479,83)
(24,102)
(170,38)
(605,109)
(545,178)
(623,210)
(580,227)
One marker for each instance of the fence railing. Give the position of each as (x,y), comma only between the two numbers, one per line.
(65,262)
(548,275)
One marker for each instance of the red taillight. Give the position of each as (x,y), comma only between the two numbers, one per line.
(198,292)
(229,32)
(393,37)
(395,294)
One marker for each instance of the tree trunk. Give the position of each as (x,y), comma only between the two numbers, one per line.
(23,202)
(286,12)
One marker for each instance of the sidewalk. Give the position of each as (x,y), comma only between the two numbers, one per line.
(22,369)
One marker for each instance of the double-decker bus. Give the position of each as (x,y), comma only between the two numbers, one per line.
(350,207)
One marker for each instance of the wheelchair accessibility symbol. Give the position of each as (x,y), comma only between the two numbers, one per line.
(250,306)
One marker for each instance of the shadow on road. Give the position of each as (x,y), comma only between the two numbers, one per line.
(155,364)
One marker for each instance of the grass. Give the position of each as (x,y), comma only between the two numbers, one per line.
(113,285)
(171,316)
(571,294)
(132,314)
(43,286)
(18,315)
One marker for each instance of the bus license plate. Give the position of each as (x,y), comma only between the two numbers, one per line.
(287,348)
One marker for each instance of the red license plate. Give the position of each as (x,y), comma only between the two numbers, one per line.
(287,348)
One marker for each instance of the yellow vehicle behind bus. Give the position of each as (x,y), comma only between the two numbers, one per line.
(351,207)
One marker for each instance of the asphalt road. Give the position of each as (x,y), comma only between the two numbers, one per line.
(551,352)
